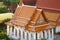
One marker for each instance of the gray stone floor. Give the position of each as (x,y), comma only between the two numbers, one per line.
(57,36)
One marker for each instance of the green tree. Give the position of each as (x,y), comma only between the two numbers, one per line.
(4,36)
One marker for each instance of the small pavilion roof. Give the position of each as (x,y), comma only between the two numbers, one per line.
(39,24)
(23,15)
(32,18)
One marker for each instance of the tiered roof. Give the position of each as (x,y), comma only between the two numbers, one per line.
(23,15)
(51,9)
(33,19)
(30,18)
(44,4)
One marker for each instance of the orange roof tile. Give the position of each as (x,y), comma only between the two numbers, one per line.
(39,28)
(35,17)
(34,24)
(40,20)
(58,22)
(23,15)
(30,15)
(51,16)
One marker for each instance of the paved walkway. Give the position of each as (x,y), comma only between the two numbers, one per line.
(57,36)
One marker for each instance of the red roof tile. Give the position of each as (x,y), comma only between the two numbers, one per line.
(49,4)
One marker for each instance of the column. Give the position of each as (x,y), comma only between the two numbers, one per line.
(25,35)
(41,34)
(34,35)
(11,31)
(49,35)
(45,33)
(29,35)
(14,31)
(52,34)
(21,29)
(38,36)
(8,30)
(18,36)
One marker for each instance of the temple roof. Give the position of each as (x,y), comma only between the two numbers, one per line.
(23,15)
(51,16)
(49,4)
(32,18)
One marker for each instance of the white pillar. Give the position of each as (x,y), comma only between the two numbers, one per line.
(29,35)
(41,34)
(52,34)
(49,37)
(38,36)
(21,29)
(45,33)
(14,31)
(11,31)
(34,35)
(7,29)
(18,36)
(25,35)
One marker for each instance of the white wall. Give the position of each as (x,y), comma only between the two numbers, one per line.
(57,29)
